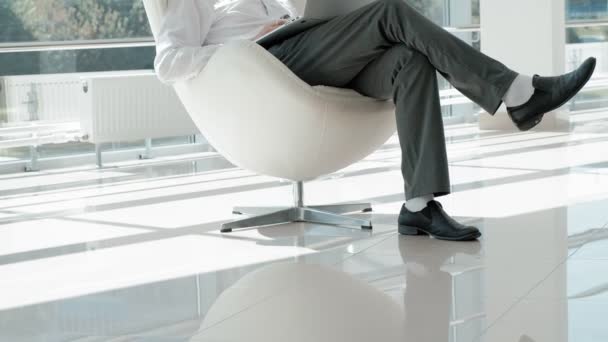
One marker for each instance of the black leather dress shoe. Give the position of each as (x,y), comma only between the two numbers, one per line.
(434,221)
(550,93)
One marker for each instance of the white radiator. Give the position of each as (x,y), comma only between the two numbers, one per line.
(48,98)
(131,106)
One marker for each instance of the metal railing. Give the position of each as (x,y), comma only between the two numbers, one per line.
(76,45)
(149,41)
(586,23)
(463,29)
(569,24)
(18,47)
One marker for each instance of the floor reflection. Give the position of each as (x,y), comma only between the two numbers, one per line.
(302,302)
(134,253)
(432,304)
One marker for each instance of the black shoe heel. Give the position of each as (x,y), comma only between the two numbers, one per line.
(528,124)
(409,230)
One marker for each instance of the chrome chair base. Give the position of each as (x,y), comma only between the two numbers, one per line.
(321,214)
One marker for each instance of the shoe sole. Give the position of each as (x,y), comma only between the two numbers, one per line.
(534,121)
(412,231)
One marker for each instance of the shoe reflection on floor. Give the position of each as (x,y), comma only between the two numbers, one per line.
(302,302)
(428,296)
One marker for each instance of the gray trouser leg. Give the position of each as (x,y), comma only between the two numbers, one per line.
(407,76)
(352,51)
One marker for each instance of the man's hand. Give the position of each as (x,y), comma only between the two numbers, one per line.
(270,27)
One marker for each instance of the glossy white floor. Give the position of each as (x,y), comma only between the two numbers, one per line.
(133,253)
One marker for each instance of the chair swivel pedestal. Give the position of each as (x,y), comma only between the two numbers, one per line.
(320,214)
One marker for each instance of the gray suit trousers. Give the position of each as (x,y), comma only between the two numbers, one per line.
(388,50)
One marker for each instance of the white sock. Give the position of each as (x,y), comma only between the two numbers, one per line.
(417,204)
(520,92)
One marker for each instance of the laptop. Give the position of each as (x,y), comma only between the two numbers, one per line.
(316,12)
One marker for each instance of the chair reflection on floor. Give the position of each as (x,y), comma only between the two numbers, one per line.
(300,302)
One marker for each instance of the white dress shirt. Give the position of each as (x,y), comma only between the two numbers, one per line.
(192,30)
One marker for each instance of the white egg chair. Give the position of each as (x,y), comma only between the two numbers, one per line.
(260,116)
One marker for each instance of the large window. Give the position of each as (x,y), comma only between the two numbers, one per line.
(31,22)
(64,38)
(587,21)
(587,35)
(61,20)
(586,9)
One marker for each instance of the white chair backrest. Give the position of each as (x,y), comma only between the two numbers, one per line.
(155,9)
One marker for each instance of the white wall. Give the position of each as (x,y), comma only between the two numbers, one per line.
(527,36)
(530,38)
